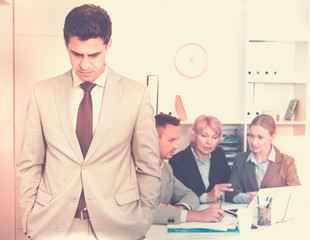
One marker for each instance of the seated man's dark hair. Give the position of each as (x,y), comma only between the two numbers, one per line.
(163,119)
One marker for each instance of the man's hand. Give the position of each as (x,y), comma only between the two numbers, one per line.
(215,193)
(211,214)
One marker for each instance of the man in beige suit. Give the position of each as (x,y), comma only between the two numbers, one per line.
(117,178)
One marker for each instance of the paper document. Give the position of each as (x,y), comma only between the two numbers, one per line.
(228,222)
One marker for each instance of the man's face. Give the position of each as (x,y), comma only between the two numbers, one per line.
(88,57)
(168,142)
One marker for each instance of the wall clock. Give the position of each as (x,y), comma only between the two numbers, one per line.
(190,60)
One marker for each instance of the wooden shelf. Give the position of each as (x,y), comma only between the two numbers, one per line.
(291,123)
(276,82)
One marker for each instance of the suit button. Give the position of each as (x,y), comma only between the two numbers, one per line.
(74,199)
(84,166)
(170,220)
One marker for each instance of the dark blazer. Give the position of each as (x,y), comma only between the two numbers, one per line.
(172,192)
(186,170)
(280,173)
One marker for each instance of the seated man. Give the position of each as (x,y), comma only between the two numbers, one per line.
(177,202)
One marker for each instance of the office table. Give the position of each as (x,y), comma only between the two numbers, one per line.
(297,229)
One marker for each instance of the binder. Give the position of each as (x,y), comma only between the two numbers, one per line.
(199,230)
(290,110)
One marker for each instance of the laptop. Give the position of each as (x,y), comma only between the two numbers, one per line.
(286,203)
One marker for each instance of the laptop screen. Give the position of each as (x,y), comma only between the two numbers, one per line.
(286,202)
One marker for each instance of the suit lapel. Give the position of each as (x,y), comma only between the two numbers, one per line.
(193,169)
(63,93)
(110,103)
(250,171)
(273,168)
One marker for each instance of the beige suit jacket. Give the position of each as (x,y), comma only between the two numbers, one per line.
(173,192)
(119,175)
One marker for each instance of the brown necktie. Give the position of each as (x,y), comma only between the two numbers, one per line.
(84,124)
(84,128)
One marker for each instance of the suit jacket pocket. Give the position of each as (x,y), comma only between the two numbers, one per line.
(127,196)
(43,197)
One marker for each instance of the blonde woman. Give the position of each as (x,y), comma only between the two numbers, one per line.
(202,166)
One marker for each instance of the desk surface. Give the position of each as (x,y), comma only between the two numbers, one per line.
(296,229)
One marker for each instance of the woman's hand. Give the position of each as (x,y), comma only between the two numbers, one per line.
(252,195)
(215,194)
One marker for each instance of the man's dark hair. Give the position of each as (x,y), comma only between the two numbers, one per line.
(163,119)
(88,21)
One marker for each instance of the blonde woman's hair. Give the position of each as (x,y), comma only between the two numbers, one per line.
(201,123)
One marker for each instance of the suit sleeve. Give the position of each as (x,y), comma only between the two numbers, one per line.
(292,178)
(146,154)
(182,194)
(164,215)
(226,168)
(30,167)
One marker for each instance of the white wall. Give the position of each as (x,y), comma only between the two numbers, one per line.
(146,40)
(6,123)
(146,35)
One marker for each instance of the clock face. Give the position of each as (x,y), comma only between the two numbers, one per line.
(190,60)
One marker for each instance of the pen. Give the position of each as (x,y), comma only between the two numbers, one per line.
(221,200)
(268,205)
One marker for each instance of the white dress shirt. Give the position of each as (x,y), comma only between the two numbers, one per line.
(204,170)
(96,94)
(260,170)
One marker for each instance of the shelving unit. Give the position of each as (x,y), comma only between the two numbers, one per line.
(277,67)
(277,72)
(232,141)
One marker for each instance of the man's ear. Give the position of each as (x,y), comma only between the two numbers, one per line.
(109,44)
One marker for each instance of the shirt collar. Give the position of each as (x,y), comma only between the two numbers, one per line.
(100,81)
(162,163)
(271,157)
(197,158)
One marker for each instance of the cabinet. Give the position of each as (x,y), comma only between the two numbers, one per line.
(277,63)
(277,72)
